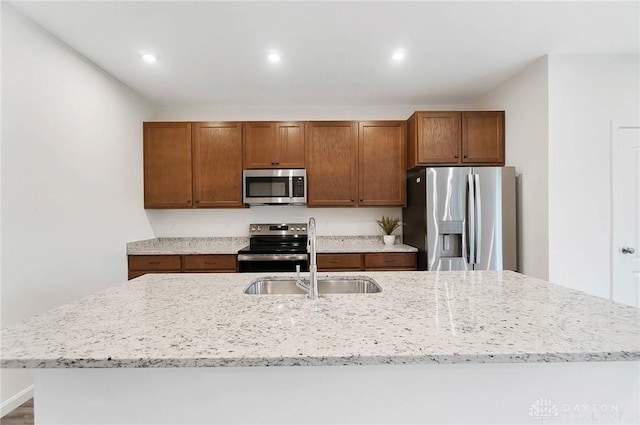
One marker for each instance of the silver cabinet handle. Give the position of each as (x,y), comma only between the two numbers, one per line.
(627,250)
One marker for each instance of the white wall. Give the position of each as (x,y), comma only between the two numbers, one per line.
(586,92)
(525,99)
(235,222)
(71,176)
(295,113)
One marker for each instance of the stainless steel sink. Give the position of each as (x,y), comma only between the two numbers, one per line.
(327,285)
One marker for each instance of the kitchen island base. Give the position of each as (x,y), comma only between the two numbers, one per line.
(479,393)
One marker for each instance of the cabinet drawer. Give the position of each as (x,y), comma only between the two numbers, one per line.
(154,262)
(339,261)
(213,262)
(391,261)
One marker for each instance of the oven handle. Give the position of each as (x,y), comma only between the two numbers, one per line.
(272,257)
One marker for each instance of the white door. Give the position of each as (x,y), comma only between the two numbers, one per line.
(625,261)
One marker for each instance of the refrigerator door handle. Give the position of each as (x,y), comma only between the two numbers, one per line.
(478,218)
(471,216)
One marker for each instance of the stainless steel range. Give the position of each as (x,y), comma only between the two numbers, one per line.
(275,248)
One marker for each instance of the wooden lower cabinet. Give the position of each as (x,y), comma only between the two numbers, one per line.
(390,261)
(367,261)
(339,262)
(210,263)
(227,263)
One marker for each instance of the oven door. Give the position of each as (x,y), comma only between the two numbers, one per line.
(262,187)
(272,262)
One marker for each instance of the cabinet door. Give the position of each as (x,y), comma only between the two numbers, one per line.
(381,151)
(167,165)
(332,163)
(290,146)
(217,164)
(273,145)
(154,262)
(339,262)
(143,264)
(483,137)
(390,261)
(209,263)
(438,138)
(260,145)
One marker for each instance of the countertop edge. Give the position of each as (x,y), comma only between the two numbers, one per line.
(354,360)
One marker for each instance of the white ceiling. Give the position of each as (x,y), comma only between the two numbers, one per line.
(333,53)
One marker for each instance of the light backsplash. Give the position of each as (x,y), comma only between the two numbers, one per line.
(235,222)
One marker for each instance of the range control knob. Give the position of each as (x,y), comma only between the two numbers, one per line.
(259,228)
(303,229)
(253,229)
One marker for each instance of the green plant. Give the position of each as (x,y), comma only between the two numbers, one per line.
(388,224)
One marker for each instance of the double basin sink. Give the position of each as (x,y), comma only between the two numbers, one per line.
(326,285)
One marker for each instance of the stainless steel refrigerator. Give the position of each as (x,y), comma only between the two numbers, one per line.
(462,218)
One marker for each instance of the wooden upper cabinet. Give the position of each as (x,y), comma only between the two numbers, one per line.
(217,164)
(167,165)
(332,163)
(381,165)
(483,137)
(433,138)
(274,145)
(455,138)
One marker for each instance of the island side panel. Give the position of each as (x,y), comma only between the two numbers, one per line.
(591,392)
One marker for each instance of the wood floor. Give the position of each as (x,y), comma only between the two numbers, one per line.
(23,415)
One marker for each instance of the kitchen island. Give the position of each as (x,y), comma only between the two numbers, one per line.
(432,347)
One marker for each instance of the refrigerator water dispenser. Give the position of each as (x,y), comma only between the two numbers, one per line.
(450,238)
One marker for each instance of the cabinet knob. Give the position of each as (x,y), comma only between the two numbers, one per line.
(361,199)
(353,199)
(197,202)
(455,156)
(466,156)
(273,163)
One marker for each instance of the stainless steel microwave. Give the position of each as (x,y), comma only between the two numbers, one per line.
(274,187)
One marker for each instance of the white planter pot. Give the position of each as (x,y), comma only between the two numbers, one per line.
(389,239)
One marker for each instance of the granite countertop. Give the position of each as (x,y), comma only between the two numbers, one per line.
(187,246)
(202,320)
(231,245)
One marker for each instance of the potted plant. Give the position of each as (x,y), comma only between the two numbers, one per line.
(388,225)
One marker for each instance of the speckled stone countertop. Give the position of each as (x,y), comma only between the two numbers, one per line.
(201,320)
(187,246)
(230,245)
(330,244)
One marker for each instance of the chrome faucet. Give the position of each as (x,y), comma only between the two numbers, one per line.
(312,285)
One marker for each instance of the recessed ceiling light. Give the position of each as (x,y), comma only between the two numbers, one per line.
(398,55)
(149,58)
(274,57)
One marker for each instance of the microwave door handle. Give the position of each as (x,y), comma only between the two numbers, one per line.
(471,230)
(291,189)
(478,220)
